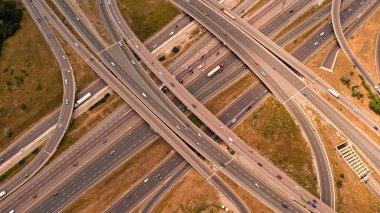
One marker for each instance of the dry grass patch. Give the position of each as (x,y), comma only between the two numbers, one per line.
(146,17)
(115,184)
(30,76)
(228,95)
(192,194)
(353,196)
(363,44)
(255,7)
(253,203)
(273,132)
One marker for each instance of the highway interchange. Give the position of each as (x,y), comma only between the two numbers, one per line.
(116,53)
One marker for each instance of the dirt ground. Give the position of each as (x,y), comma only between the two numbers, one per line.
(116,183)
(192,194)
(353,196)
(363,43)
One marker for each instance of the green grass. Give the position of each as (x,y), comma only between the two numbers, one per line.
(196,121)
(146,17)
(272,131)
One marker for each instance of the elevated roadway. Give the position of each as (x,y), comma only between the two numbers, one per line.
(365,144)
(337,25)
(65,112)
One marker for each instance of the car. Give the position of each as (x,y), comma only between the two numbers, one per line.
(257,185)
(193,105)
(233,120)
(241,11)
(154,46)
(131,133)
(314,205)
(67,102)
(77,18)
(118,21)
(314,200)
(112,152)
(76,44)
(13,211)
(177,127)
(104,141)
(189,69)
(284,205)
(171,33)
(144,95)
(55,193)
(230,139)
(264,74)
(222,127)
(176,26)
(166,185)
(1,160)
(66,81)
(279,177)
(316,43)
(128,196)
(109,1)
(316,18)
(180,81)
(322,33)
(160,73)
(137,46)
(27,175)
(120,43)
(34,196)
(146,180)
(133,62)
(199,144)
(64,57)
(356,110)
(274,68)
(297,187)
(375,127)
(112,63)
(260,164)
(75,164)
(52,16)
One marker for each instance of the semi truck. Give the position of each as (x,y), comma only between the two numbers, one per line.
(216,69)
(334,93)
(228,14)
(82,99)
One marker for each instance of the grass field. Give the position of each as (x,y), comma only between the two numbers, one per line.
(273,132)
(115,184)
(146,17)
(256,7)
(30,76)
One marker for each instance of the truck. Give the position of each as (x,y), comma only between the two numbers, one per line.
(82,99)
(334,93)
(304,198)
(228,14)
(216,69)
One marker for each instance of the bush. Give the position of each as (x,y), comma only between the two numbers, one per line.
(8,132)
(339,183)
(345,81)
(341,175)
(23,106)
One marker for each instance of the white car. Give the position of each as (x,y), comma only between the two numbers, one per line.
(316,43)
(120,43)
(146,180)
(199,144)
(76,44)
(77,18)
(109,2)
(64,57)
(161,73)
(297,187)
(257,185)
(137,46)
(112,63)
(171,33)
(133,62)
(118,21)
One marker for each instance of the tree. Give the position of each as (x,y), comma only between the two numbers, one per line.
(23,106)
(339,183)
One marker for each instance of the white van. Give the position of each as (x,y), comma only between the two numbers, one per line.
(145,96)
(2,194)
(200,66)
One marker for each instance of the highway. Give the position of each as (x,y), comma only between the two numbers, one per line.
(337,26)
(157,108)
(13,153)
(237,110)
(328,61)
(308,47)
(365,144)
(65,113)
(203,114)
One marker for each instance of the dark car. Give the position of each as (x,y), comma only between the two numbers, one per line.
(75,164)
(279,177)
(375,127)
(55,194)
(34,196)
(260,164)
(285,206)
